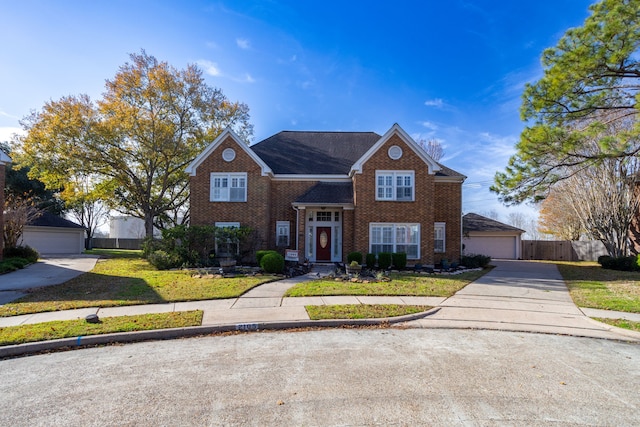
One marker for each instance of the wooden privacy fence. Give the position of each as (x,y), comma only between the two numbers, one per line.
(104,243)
(563,250)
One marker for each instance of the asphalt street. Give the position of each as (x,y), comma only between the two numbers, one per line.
(342,377)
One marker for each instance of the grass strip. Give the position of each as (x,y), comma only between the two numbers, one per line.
(592,286)
(621,323)
(74,328)
(362,311)
(400,284)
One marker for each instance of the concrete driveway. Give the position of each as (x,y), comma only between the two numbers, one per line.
(48,271)
(518,296)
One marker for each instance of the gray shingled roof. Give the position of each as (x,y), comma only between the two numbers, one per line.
(46,219)
(475,222)
(319,153)
(326,153)
(328,192)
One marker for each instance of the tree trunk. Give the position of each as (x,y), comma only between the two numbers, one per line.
(148,224)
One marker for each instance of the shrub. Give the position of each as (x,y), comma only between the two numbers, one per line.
(26,252)
(272,262)
(354,256)
(163,260)
(384,260)
(261,254)
(371,261)
(399,260)
(475,261)
(625,263)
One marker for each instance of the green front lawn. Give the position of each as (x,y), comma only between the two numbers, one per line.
(362,311)
(75,328)
(126,279)
(592,286)
(400,284)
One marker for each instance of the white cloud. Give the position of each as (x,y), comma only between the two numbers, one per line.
(246,78)
(6,133)
(209,67)
(11,116)
(429,125)
(436,102)
(243,43)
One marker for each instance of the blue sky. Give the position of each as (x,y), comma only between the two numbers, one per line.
(448,70)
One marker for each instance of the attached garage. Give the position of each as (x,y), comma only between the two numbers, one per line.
(50,235)
(486,236)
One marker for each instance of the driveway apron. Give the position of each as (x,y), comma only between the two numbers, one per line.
(517,296)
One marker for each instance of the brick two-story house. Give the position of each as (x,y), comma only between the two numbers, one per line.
(330,193)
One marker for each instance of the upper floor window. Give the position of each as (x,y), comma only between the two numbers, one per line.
(229,187)
(395,185)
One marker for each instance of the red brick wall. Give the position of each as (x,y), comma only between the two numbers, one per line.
(423,210)
(254,213)
(448,209)
(283,193)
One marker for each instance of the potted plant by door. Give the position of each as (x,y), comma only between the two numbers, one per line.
(354,268)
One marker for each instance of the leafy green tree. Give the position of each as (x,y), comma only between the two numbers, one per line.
(591,79)
(137,140)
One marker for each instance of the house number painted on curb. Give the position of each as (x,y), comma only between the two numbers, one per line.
(247,327)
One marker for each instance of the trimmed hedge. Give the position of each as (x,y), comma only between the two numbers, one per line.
(399,260)
(475,261)
(384,260)
(354,256)
(261,254)
(371,261)
(625,263)
(272,262)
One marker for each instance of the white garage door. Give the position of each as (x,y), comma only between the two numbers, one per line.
(54,241)
(497,247)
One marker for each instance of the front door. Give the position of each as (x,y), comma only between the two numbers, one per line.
(323,244)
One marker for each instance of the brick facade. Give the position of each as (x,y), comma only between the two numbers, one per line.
(270,200)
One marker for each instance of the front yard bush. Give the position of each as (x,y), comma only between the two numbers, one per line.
(475,261)
(371,261)
(272,262)
(625,263)
(261,254)
(354,256)
(163,260)
(26,252)
(384,260)
(399,260)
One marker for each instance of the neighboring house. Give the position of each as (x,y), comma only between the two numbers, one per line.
(327,194)
(128,227)
(4,161)
(486,236)
(50,234)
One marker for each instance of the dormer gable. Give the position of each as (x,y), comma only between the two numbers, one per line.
(228,133)
(396,130)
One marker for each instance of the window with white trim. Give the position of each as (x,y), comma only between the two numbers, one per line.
(395,185)
(387,237)
(229,187)
(439,233)
(282,233)
(226,248)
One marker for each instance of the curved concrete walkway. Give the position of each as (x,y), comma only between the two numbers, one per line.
(515,296)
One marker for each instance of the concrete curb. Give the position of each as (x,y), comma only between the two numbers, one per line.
(165,334)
